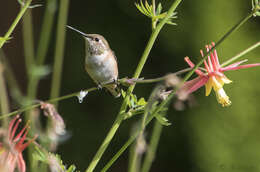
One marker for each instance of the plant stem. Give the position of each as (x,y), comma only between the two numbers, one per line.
(46,31)
(171,95)
(232,59)
(152,147)
(134,165)
(28,41)
(10,79)
(59,50)
(137,73)
(17,19)
(74,95)
(4,102)
(48,101)
(132,138)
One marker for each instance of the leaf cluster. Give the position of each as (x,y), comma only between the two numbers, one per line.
(256,7)
(157,15)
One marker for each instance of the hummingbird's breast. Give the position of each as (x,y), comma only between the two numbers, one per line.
(101,68)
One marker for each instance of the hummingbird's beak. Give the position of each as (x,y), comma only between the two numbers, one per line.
(76,30)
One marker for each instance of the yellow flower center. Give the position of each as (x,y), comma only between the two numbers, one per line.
(222,97)
(217,82)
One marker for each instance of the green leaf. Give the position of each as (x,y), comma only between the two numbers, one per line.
(72,168)
(145,9)
(171,23)
(39,155)
(141,102)
(159,9)
(123,93)
(162,120)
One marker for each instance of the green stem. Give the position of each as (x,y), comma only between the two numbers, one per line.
(29,61)
(137,73)
(10,79)
(232,59)
(167,100)
(154,21)
(131,139)
(48,101)
(46,31)
(59,50)
(4,102)
(133,160)
(70,96)
(152,147)
(17,19)
(28,41)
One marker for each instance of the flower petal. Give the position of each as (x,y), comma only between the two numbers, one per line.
(243,66)
(198,72)
(216,83)
(20,163)
(208,87)
(225,80)
(195,84)
(230,67)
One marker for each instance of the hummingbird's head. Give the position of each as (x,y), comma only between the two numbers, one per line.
(96,44)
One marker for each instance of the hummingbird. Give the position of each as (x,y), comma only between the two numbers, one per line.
(100,61)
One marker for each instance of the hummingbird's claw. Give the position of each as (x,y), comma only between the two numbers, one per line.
(116,81)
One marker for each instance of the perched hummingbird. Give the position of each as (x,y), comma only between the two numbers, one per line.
(100,61)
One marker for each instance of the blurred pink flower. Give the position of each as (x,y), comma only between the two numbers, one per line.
(214,76)
(11,150)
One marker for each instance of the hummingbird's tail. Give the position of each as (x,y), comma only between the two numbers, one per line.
(114,90)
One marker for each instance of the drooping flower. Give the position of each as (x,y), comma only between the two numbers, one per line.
(12,147)
(214,76)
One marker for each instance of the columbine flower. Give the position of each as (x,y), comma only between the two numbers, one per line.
(11,151)
(214,77)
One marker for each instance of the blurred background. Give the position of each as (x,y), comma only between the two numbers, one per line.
(204,138)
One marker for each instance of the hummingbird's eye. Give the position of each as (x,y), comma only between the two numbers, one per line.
(96,39)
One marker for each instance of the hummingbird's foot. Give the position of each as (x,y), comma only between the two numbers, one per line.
(116,81)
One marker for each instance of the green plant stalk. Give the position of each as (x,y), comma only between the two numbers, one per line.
(133,164)
(10,79)
(17,19)
(134,136)
(154,21)
(2,116)
(152,147)
(29,61)
(48,101)
(137,73)
(232,59)
(171,95)
(59,49)
(47,26)
(28,41)
(4,102)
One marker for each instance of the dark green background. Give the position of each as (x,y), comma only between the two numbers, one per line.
(206,138)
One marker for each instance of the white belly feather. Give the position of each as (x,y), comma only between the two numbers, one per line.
(101,69)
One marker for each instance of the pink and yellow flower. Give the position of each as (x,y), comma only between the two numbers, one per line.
(11,156)
(214,76)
